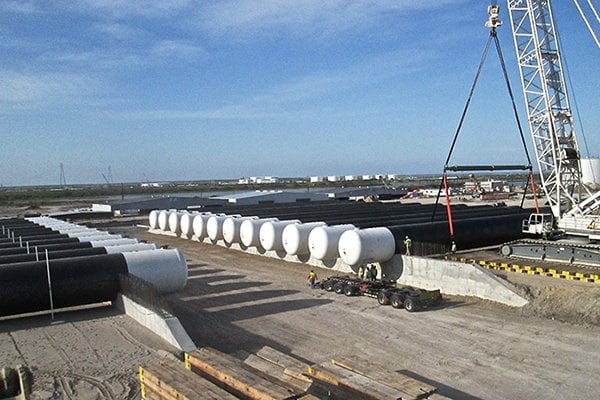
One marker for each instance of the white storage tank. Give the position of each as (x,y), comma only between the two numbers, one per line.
(214,227)
(270,234)
(250,231)
(590,171)
(295,237)
(199,224)
(231,228)
(174,221)
(163,220)
(323,241)
(186,224)
(153,219)
(370,245)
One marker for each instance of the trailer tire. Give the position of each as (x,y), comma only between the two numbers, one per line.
(410,305)
(383,299)
(339,287)
(396,301)
(350,290)
(328,286)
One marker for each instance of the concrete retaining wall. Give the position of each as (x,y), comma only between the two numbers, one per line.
(452,278)
(170,329)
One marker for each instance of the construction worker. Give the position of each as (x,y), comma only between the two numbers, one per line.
(361,272)
(408,244)
(312,278)
(453,248)
(372,274)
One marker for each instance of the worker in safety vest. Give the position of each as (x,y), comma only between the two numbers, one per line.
(408,244)
(361,272)
(453,248)
(312,278)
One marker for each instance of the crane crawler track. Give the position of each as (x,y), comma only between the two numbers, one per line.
(556,251)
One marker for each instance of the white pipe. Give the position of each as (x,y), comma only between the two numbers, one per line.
(166,269)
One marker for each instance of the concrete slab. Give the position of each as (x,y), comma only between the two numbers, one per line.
(452,278)
(170,329)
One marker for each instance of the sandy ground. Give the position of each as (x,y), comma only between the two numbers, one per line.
(469,349)
(91,354)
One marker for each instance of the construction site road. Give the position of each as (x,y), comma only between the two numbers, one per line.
(469,349)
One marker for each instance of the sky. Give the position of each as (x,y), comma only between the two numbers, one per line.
(192,90)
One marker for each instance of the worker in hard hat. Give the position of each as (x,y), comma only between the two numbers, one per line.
(408,245)
(361,272)
(312,278)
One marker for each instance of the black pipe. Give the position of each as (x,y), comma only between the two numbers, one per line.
(468,233)
(75,281)
(33,237)
(50,247)
(39,242)
(41,255)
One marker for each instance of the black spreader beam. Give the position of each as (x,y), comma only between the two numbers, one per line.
(457,168)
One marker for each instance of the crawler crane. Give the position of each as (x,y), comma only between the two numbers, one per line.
(574,222)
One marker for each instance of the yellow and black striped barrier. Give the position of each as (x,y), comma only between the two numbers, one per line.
(529,270)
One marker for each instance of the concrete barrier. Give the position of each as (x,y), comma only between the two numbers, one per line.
(169,329)
(452,278)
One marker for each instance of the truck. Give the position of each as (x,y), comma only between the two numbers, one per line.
(384,290)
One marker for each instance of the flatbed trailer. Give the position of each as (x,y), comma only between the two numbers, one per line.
(385,291)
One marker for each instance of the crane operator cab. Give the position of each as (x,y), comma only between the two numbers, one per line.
(538,224)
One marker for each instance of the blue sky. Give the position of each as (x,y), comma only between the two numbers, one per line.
(186,90)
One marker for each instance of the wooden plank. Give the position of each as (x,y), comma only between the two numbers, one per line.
(292,366)
(277,371)
(366,387)
(172,381)
(412,387)
(234,374)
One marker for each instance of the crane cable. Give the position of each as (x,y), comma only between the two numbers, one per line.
(444,183)
(586,21)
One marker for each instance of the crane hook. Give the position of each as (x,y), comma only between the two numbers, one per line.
(494,21)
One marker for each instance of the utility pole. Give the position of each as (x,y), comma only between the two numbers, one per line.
(62,180)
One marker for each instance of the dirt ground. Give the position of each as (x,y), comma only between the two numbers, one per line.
(469,349)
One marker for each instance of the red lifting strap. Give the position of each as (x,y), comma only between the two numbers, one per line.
(448,209)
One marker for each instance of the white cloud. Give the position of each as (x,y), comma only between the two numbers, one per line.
(305,17)
(119,31)
(129,8)
(23,90)
(281,101)
(177,48)
(19,7)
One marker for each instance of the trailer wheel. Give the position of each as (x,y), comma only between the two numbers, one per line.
(339,287)
(351,290)
(328,286)
(396,301)
(383,299)
(410,305)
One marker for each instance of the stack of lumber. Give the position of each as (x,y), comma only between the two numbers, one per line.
(368,380)
(269,374)
(170,380)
